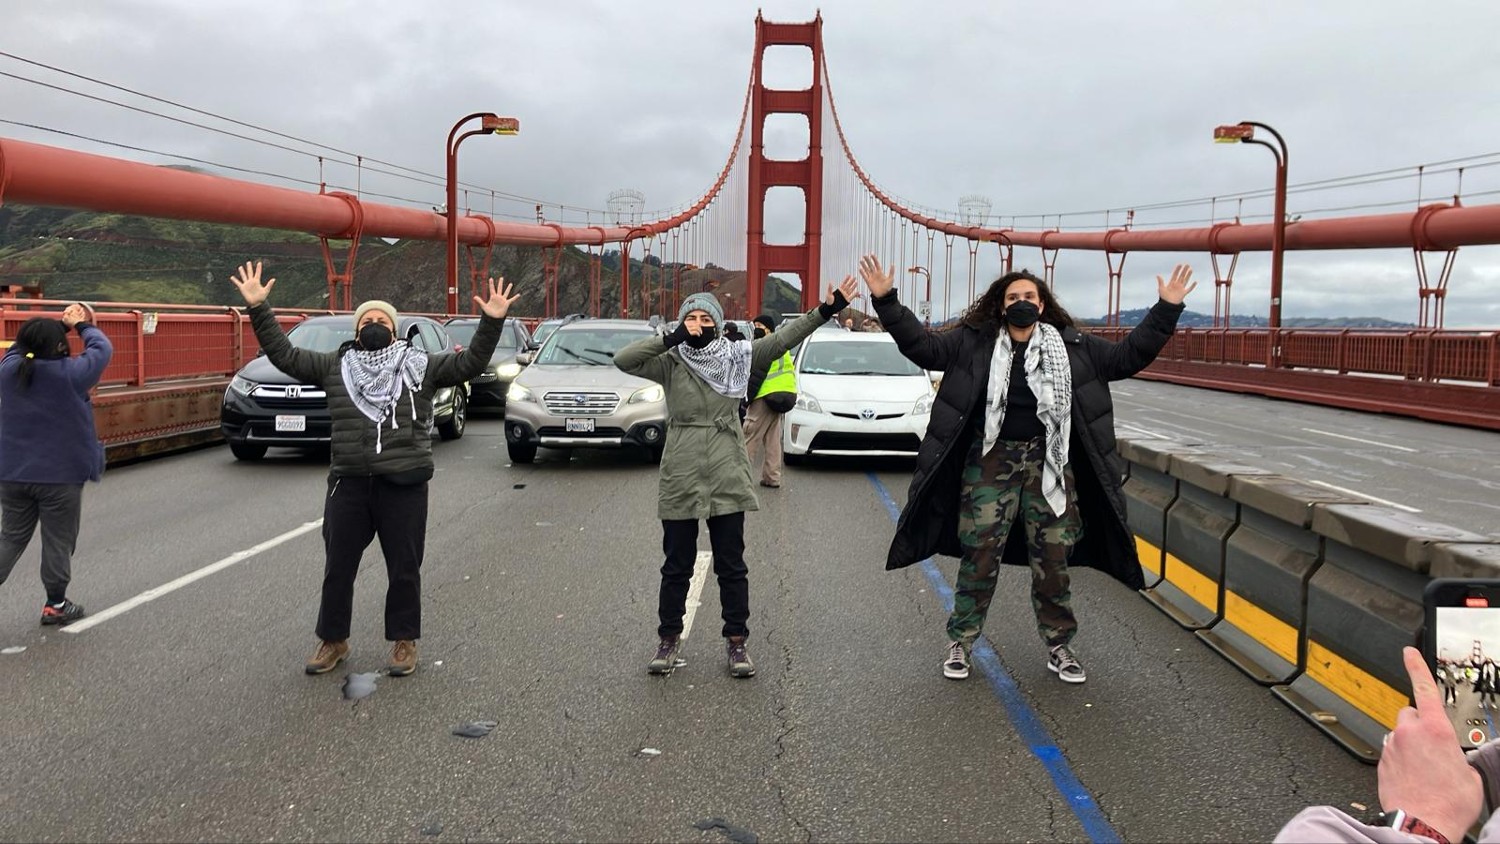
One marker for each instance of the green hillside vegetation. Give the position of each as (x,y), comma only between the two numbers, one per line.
(98,257)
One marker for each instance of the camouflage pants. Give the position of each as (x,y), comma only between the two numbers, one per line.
(996,487)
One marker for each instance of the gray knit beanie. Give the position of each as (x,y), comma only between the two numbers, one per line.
(701,302)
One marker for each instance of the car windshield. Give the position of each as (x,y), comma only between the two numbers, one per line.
(543,331)
(592,346)
(856,358)
(320,336)
(463,334)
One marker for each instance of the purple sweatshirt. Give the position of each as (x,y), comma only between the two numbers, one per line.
(47,433)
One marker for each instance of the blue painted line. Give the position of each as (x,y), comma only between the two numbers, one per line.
(1028,726)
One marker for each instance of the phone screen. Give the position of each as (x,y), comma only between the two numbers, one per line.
(1465,635)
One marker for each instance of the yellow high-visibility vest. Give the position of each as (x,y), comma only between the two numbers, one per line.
(781,378)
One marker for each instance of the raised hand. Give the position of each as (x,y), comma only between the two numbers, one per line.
(878,280)
(499,301)
(1178,288)
(247,279)
(848,288)
(1422,769)
(74,314)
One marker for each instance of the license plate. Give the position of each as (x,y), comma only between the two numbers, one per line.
(579,426)
(291,423)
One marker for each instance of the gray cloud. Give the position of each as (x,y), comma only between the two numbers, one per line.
(1043,110)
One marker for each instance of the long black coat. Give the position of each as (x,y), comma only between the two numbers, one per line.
(929,523)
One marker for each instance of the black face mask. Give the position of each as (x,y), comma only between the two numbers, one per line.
(710,334)
(759,332)
(1023,314)
(374,337)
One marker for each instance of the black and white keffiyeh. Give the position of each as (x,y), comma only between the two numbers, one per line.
(374,380)
(723,364)
(1050,377)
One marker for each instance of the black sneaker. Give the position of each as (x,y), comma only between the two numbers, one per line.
(1065,665)
(739,658)
(666,657)
(956,665)
(65,613)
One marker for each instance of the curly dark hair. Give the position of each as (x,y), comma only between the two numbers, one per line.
(988,311)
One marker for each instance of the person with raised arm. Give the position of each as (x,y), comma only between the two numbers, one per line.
(705,475)
(1022,434)
(380,390)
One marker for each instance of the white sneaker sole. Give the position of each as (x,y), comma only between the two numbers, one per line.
(955,674)
(1074,680)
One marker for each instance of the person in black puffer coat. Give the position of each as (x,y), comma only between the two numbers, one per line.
(1022,431)
(380,391)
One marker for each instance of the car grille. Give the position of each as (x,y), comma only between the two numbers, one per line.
(581,404)
(876,416)
(840,441)
(300,397)
(560,431)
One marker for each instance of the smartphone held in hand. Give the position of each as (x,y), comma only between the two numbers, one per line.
(1461,642)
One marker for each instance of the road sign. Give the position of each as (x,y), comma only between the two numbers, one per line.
(924,309)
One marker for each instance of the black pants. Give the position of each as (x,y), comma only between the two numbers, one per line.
(356,511)
(679,541)
(58,508)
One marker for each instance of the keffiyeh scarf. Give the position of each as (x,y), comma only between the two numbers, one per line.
(723,364)
(374,380)
(1050,378)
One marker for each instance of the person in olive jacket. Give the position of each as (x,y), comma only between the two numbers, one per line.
(380,392)
(1022,431)
(704,472)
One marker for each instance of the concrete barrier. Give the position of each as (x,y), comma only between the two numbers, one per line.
(1149,492)
(1268,562)
(1364,603)
(1199,524)
(1310,591)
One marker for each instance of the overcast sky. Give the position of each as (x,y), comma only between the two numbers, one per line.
(1041,108)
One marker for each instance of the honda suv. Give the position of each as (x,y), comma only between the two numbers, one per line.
(265,407)
(570,395)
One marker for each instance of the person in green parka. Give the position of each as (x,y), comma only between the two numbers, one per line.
(705,474)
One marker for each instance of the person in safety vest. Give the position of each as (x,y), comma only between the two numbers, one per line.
(772,392)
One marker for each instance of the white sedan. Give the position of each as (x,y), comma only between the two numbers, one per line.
(856,394)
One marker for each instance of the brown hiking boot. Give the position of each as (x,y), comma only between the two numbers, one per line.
(403,658)
(327,657)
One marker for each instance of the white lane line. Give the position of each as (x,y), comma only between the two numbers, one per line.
(1358,440)
(1142,431)
(701,565)
(1348,491)
(191,577)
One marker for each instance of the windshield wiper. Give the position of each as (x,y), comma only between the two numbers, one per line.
(608,354)
(864,372)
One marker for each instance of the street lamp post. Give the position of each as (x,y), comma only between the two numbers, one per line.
(490,124)
(926,302)
(1244,132)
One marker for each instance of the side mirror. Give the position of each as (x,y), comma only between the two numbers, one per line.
(532,346)
(524,358)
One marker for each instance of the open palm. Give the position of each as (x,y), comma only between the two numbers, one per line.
(247,279)
(497,305)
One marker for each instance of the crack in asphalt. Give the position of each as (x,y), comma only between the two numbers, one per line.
(785,682)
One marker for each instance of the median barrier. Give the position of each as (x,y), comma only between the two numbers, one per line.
(1364,603)
(1149,491)
(1466,559)
(1268,562)
(1199,524)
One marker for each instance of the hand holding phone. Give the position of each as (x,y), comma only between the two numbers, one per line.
(1461,644)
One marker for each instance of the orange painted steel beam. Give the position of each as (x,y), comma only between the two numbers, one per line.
(38,174)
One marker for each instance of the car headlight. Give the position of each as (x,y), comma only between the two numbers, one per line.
(242,386)
(509,369)
(518,393)
(651,393)
(923,405)
(808,403)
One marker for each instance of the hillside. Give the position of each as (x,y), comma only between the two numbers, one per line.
(1193,319)
(111,257)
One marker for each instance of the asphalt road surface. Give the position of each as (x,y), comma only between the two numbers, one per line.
(187,716)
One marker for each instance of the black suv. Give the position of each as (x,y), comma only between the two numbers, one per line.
(265,407)
(487,390)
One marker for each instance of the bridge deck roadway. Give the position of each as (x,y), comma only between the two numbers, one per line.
(188,717)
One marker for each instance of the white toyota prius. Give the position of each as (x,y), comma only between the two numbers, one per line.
(856,394)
